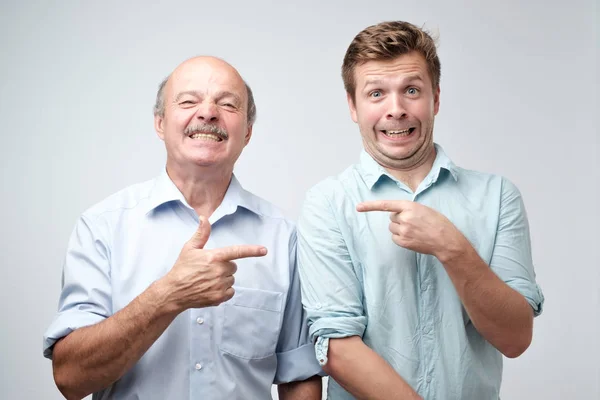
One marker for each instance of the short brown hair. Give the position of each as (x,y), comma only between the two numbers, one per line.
(386,41)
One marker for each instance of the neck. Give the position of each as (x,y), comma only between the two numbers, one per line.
(414,175)
(202,187)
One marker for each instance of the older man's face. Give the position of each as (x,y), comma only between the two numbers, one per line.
(205,119)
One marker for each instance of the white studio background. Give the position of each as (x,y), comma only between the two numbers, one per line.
(519,98)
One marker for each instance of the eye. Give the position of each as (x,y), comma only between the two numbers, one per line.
(186,102)
(375,94)
(412,91)
(228,105)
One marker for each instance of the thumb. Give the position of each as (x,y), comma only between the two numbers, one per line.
(201,235)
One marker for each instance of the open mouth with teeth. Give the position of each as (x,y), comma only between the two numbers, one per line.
(398,133)
(206,136)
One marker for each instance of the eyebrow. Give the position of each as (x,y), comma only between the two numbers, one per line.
(225,93)
(409,78)
(218,95)
(371,82)
(187,92)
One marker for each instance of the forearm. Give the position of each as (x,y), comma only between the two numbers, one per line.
(309,389)
(92,358)
(363,373)
(500,313)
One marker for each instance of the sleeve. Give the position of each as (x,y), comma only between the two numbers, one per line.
(295,356)
(332,291)
(85,298)
(511,258)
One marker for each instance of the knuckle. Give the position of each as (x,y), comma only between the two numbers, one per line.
(238,252)
(217,297)
(403,229)
(210,258)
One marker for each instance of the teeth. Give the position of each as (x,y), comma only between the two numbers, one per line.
(404,132)
(206,136)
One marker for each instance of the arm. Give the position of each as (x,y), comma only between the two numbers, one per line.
(310,389)
(501,298)
(93,357)
(498,312)
(332,295)
(363,373)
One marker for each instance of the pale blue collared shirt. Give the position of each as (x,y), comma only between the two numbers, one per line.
(357,281)
(236,350)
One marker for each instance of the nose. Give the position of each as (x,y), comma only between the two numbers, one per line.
(207,112)
(396,108)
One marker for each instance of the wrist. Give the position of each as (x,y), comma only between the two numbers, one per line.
(164,297)
(456,247)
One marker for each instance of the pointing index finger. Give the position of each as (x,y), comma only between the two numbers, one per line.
(381,205)
(242,251)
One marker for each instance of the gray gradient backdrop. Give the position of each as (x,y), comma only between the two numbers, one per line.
(519,98)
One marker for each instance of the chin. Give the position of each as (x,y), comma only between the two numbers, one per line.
(203,162)
(397,154)
(198,161)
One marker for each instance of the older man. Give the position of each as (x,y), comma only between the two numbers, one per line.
(416,274)
(185,287)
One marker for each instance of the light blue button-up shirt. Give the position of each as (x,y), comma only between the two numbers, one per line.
(356,281)
(234,351)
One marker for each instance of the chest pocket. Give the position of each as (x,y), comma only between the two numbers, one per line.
(251,323)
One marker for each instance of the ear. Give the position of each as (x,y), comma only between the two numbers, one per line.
(248,135)
(158,126)
(436,101)
(352,107)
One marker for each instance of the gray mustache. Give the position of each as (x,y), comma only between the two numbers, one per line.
(206,128)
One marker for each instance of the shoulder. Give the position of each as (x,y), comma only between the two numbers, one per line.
(130,198)
(335,188)
(267,212)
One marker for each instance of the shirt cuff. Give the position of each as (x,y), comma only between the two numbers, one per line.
(321,349)
(65,323)
(532,293)
(337,327)
(296,365)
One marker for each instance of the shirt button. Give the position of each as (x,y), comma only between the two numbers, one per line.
(427,329)
(428,379)
(199,320)
(424,287)
(198,367)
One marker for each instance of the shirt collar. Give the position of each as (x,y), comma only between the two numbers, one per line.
(165,191)
(371,171)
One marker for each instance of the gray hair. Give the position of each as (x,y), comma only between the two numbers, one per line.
(159,105)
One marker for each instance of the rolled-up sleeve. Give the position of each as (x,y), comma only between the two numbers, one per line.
(332,293)
(295,354)
(85,298)
(512,259)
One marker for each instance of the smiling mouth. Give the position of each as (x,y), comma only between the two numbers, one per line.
(398,133)
(206,136)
